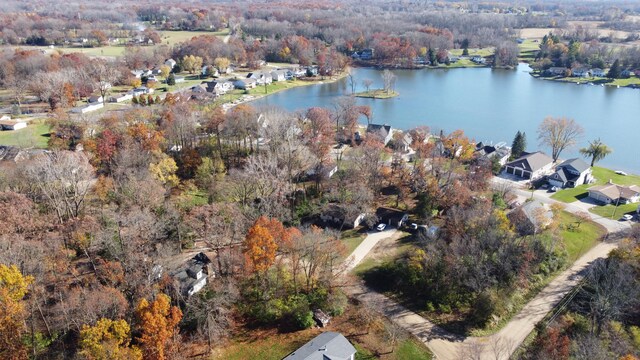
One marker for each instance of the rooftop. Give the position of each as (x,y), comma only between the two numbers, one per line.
(326,346)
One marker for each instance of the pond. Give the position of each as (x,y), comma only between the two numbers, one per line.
(490,106)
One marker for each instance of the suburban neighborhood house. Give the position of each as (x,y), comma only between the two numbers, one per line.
(382,132)
(530,218)
(326,346)
(192,276)
(571,173)
(7,124)
(530,166)
(611,193)
(499,151)
(338,216)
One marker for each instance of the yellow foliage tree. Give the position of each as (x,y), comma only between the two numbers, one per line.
(164,170)
(13,287)
(158,324)
(108,339)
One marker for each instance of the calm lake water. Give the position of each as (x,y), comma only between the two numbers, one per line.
(490,106)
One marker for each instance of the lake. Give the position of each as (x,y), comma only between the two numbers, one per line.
(490,106)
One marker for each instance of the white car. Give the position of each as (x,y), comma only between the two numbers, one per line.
(621,173)
(381,227)
(626,217)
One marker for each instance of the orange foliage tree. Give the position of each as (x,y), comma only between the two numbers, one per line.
(157,323)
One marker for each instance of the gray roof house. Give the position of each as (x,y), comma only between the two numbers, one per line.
(383,132)
(530,166)
(326,346)
(530,218)
(338,216)
(497,151)
(611,193)
(245,83)
(192,276)
(571,173)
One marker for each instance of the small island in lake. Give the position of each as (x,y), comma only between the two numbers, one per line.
(377,94)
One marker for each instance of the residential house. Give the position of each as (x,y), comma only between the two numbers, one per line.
(391,217)
(365,54)
(382,132)
(611,193)
(556,71)
(530,165)
(499,151)
(87,108)
(479,60)
(96,99)
(193,275)
(625,74)
(137,73)
(405,142)
(120,98)
(337,216)
(279,75)
(597,72)
(322,171)
(245,84)
(142,90)
(261,78)
(571,173)
(12,124)
(636,72)
(179,79)
(170,63)
(580,72)
(326,346)
(530,218)
(199,89)
(219,87)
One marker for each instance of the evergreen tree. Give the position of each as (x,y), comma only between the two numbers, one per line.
(465,47)
(614,71)
(519,144)
(432,57)
(171,80)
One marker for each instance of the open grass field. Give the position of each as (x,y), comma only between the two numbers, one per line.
(602,176)
(351,239)
(36,134)
(610,211)
(578,240)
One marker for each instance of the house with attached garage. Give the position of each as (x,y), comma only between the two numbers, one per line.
(193,275)
(530,218)
(245,84)
(12,124)
(530,165)
(580,72)
(611,193)
(500,152)
(571,173)
(326,346)
(382,132)
(597,72)
(279,75)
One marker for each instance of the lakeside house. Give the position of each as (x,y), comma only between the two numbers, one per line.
(383,133)
(279,75)
(219,87)
(261,78)
(500,151)
(571,173)
(479,60)
(245,84)
(611,193)
(556,71)
(326,346)
(597,72)
(364,54)
(530,166)
(580,72)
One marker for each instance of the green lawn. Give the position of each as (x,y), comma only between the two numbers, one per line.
(174,37)
(578,239)
(351,239)
(269,348)
(488,51)
(377,94)
(610,211)
(277,86)
(602,176)
(633,80)
(412,349)
(34,135)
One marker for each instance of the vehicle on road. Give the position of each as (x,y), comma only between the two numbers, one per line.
(381,227)
(621,173)
(626,217)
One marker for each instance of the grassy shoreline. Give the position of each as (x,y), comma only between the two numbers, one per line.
(377,94)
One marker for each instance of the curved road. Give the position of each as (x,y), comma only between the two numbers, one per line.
(502,344)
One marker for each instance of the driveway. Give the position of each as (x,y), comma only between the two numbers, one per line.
(372,239)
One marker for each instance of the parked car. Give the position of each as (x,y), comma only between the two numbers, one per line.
(621,173)
(414,226)
(553,189)
(626,217)
(381,227)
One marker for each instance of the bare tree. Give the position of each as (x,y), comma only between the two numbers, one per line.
(104,76)
(63,180)
(559,134)
(367,84)
(389,80)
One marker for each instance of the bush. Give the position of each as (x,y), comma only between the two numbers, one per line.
(171,80)
(483,308)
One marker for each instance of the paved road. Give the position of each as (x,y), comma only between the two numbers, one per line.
(502,344)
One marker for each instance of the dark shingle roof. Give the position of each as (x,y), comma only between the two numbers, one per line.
(576,163)
(326,346)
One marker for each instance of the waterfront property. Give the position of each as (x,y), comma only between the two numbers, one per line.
(611,193)
(571,173)
(530,166)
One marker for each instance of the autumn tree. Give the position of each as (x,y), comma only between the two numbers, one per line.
(192,63)
(559,134)
(13,287)
(260,247)
(104,76)
(157,323)
(597,150)
(221,63)
(107,339)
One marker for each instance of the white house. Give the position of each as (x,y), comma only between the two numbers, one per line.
(611,193)
(193,275)
(12,124)
(598,72)
(571,173)
(499,151)
(245,84)
(530,166)
(479,60)
(580,72)
(170,63)
(120,98)
(279,75)
(261,78)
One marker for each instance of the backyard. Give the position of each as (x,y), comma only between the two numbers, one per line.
(35,135)
(602,176)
